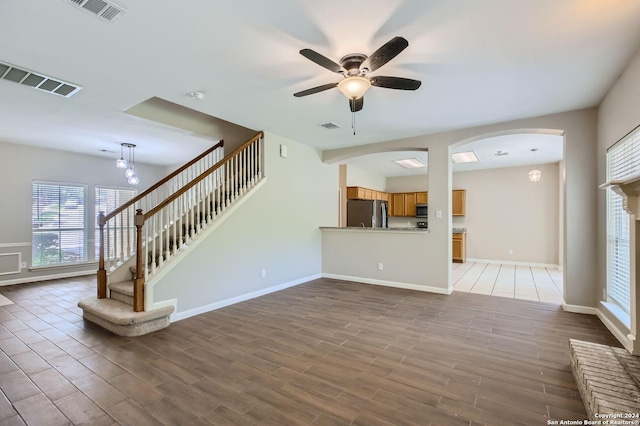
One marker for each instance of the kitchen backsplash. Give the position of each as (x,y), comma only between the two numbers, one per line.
(401,222)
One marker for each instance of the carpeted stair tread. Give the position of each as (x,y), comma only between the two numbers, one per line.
(124,287)
(120,313)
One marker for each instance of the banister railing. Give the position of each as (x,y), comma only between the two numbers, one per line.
(117,228)
(174,174)
(174,220)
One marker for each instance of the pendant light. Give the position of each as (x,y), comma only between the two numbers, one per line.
(534,174)
(121,163)
(129,164)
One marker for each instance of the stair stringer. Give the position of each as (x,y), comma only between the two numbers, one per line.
(201,236)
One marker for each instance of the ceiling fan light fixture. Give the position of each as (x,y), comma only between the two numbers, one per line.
(354,87)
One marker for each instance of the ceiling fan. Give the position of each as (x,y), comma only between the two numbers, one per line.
(354,67)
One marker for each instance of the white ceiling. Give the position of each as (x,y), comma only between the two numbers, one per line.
(480,62)
(517,147)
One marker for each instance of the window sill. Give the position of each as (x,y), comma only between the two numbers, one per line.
(63,266)
(618,313)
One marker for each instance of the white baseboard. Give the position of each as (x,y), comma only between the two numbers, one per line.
(199,238)
(395,284)
(507,262)
(177,316)
(577,309)
(48,277)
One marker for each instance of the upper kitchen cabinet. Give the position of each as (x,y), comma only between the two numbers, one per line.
(422,197)
(355,193)
(410,204)
(459,202)
(397,205)
(360,193)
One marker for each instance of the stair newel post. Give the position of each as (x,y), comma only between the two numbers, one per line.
(138,284)
(102,272)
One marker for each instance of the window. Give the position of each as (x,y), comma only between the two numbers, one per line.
(121,233)
(58,221)
(623,164)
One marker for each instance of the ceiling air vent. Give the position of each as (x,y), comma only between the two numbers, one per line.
(102,9)
(329,126)
(37,80)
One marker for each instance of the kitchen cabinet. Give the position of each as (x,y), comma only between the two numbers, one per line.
(397,205)
(403,204)
(410,204)
(459,202)
(360,193)
(458,248)
(355,193)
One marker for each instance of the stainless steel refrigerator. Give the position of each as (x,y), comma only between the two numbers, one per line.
(367,213)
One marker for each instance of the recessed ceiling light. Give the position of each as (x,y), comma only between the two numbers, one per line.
(465,157)
(410,163)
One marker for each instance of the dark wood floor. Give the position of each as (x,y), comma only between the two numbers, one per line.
(322,353)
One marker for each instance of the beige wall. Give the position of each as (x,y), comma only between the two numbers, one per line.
(365,179)
(277,229)
(506,211)
(617,116)
(20,165)
(580,219)
(414,183)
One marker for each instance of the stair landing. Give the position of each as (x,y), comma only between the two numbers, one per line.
(120,319)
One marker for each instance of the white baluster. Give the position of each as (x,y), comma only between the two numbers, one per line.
(145,250)
(152,225)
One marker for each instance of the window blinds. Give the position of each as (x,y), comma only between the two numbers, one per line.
(58,223)
(107,200)
(623,164)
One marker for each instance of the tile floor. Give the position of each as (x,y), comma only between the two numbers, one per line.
(516,282)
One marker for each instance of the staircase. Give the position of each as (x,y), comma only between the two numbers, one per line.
(153,231)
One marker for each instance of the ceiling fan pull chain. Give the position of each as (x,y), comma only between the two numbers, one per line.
(353,115)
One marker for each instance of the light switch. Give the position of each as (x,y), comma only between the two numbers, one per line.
(283,151)
(438,214)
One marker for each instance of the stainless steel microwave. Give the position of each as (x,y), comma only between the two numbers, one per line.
(422,210)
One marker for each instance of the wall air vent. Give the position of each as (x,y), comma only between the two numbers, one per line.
(329,126)
(103,9)
(37,80)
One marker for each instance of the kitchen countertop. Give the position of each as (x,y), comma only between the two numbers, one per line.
(396,229)
(393,229)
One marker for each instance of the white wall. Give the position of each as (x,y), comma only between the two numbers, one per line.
(617,116)
(365,179)
(277,228)
(20,165)
(505,210)
(580,219)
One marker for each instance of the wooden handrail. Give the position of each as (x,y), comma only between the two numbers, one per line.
(162,181)
(191,184)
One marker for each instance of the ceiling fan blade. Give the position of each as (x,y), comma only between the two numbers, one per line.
(356,104)
(395,83)
(321,60)
(387,52)
(315,90)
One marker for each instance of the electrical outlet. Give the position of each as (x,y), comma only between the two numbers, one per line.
(264,272)
(23,265)
(510,252)
(380,266)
